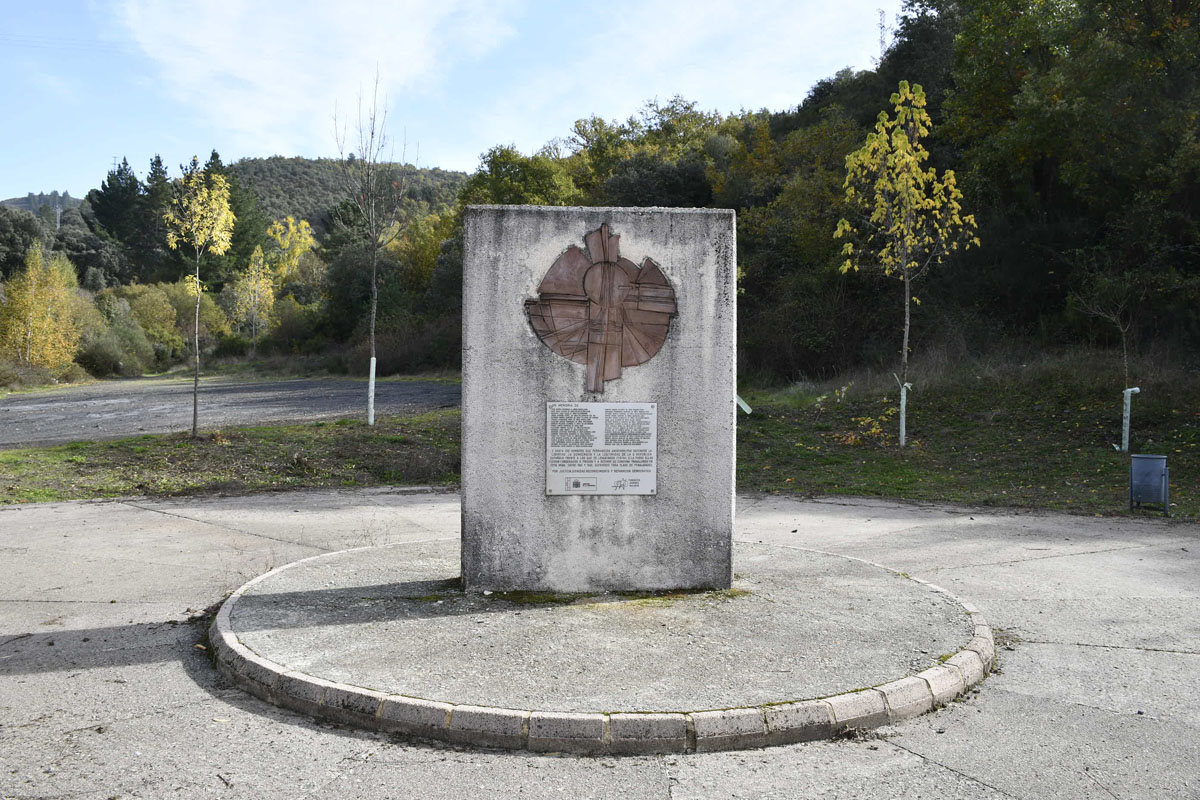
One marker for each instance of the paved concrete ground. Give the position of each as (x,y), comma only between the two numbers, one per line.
(127,407)
(104,694)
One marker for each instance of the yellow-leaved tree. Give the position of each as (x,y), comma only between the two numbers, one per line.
(293,239)
(254,297)
(908,218)
(37,326)
(200,219)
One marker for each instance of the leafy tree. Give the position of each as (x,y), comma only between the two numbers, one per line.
(797,316)
(1077,122)
(19,230)
(507,177)
(293,240)
(152,310)
(91,253)
(91,323)
(674,129)
(151,307)
(349,274)
(36,324)
(908,219)
(121,346)
(200,219)
(751,173)
(647,179)
(214,322)
(597,146)
(444,295)
(254,297)
(416,250)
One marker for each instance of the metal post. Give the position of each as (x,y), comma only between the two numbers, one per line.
(904,387)
(1125,419)
(371,394)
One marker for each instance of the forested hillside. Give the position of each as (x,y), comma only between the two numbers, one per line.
(48,208)
(1073,130)
(306,188)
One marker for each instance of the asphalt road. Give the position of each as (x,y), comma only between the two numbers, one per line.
(113,409)
(105,690)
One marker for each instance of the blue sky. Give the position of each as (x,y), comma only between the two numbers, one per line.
(87,81)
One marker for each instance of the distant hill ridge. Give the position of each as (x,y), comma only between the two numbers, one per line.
(32,202)
(308,187)
(305,188)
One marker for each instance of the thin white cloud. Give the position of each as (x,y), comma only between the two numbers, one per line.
(272,72)
(723,54)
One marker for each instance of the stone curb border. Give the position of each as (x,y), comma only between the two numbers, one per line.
(599,733)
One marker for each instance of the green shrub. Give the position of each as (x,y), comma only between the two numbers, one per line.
(18,376)
(408,345)
(296,327)
(232,345)
(74,374)
(122,350)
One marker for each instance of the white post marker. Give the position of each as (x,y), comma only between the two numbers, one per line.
(1125,418)
(371,394)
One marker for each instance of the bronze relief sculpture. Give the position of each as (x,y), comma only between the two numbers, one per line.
(602,310)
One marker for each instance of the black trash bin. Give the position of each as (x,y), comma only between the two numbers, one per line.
(1149,481)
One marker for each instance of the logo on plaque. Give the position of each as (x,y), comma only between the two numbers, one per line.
(601,310)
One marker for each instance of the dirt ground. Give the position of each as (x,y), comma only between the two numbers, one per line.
(114,409)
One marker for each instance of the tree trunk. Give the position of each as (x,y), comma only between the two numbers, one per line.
(196,359)
(32,302)
(904,358)
(374,296)
(907,324)
(374,306)
(1125,353)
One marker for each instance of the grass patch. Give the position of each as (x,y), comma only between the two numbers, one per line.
(1034,435)
(328,365)
(1038,434)
(404,450)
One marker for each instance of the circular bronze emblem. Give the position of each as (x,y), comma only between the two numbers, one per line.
(601,310)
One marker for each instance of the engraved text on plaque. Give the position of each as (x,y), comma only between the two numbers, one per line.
(601,448)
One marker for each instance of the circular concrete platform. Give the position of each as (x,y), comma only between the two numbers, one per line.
(804,646)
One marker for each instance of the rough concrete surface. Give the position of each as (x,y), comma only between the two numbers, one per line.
(514,535)
(131,406)
(104,694)
(798,625)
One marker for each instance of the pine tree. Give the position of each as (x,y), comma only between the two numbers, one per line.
(155,198)
(115,205)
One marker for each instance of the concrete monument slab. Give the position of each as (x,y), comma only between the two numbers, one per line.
(598,398)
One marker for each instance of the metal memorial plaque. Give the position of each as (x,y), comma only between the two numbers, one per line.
(601,448)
